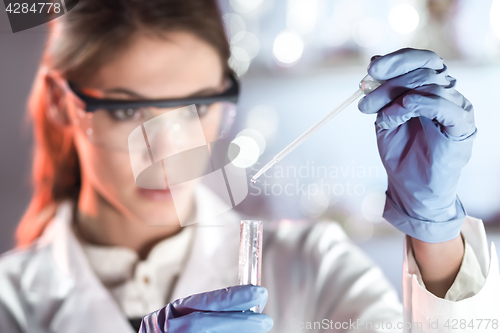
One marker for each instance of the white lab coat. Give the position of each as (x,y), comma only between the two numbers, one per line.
(314,274)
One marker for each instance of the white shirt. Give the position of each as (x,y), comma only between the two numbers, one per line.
(140,286)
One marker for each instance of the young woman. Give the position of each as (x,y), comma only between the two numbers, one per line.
(98,253)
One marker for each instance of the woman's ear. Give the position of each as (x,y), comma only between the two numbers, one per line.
(57,102)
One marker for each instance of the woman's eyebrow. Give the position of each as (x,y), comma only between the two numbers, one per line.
(201,92)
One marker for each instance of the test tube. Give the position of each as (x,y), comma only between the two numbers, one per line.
(250,254)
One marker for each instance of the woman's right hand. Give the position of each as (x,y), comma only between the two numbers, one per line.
(214,311)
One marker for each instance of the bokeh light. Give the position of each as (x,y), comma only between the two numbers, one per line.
(233,24)
(249,152)
(256,136)
(239,60)
(288,47)
(404,18)
(248,42)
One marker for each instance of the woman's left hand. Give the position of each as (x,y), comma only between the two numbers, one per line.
(425,130)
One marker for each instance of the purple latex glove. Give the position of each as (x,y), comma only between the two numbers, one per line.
(425,129)
(214,311)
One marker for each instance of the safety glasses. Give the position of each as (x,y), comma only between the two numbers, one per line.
(92,104)
(109,122)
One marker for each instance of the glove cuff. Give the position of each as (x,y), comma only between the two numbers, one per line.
(425,230)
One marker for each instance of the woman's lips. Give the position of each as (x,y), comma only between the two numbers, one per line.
(155,195)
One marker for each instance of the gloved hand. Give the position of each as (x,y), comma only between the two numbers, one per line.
(214,311)
(425,130)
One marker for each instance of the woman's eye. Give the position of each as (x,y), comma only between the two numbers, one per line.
(199,111)
(125,114)
(202,109)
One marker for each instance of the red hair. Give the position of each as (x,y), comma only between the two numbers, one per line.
(55,171)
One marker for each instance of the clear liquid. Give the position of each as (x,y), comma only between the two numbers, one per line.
(250,264)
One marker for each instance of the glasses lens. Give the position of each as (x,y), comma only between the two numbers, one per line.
(177,128)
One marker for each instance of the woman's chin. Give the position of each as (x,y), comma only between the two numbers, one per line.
(160,217)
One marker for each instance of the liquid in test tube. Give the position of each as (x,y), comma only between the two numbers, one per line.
(250,262)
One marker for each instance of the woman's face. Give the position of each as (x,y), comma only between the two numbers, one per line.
(175,67)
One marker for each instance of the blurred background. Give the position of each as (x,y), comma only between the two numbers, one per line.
(297,60)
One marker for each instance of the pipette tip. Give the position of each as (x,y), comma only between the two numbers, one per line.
(253,180)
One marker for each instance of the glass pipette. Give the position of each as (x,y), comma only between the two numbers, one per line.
(366,86)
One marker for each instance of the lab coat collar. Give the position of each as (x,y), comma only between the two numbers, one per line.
(76,301)
(84,305)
